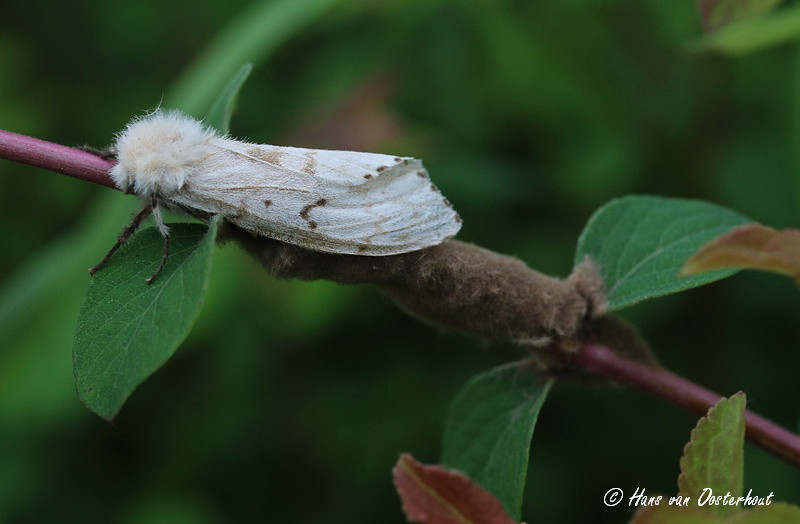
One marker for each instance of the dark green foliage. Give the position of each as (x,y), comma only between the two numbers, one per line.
(529,116)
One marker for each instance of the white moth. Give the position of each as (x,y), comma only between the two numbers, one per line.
(331,201)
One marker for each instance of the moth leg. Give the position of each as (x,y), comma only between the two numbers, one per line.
(162,227)
(107,153)
(124,236)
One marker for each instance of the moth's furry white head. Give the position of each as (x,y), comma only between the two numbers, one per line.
(158,152)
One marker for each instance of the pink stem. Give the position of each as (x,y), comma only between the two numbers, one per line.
(54,157)
(686,395)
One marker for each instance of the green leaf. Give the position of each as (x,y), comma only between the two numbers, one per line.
(775,513)
(642,242)
(489,428)
(219,116)
(720,13)
(251,37)
(714,457)
(127,328)
(667,514)
(753,35)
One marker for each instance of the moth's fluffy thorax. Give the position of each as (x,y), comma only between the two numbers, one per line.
(157,153)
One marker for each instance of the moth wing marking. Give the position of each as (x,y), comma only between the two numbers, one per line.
(321,199)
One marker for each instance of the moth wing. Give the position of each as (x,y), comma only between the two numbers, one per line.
(332,201)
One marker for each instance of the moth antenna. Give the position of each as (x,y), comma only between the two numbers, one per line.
(123,237)
(162,227)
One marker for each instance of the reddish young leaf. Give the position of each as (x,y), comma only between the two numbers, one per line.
(753,246)
(719,13)
(435,495)
(361,121)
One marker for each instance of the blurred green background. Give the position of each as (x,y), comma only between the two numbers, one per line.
(291,401)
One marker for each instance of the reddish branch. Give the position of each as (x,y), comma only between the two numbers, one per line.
(458,286)
(686,395)
(54,157)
